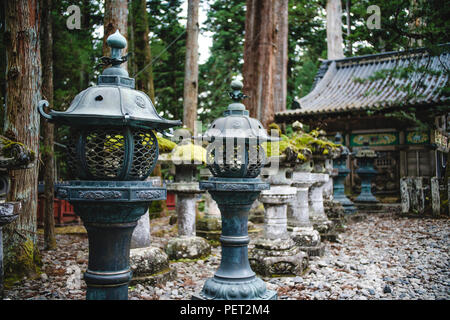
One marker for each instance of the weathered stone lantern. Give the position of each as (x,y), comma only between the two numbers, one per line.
(340,163)
(187,245)
(275,253)
(235,158)
(112,151)
(15,156)
(366,172)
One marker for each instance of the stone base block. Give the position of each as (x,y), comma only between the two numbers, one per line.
(277,258)
(308,240)
(314,251)
(208,223)
(187,247)
(150,266)
(322,226)
(209,228)
(305,237)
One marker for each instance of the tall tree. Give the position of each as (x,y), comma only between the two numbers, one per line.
(190,100)
(226,22)
(334,30)
(168,47)
(142,55)
(74,63)
(259,59)
(281,54)
(115,18)
(47,128)
(23,83)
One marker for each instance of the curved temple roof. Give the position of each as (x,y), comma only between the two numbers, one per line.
(345,84)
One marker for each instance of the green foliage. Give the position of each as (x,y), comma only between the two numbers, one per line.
(306,44)
(166,30)
(75,59)
(404,24)
(226,21)
(299,146)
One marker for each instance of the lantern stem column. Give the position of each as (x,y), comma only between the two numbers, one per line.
(234,280)
(110,211)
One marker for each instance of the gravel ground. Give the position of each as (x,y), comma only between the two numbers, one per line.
(379,258)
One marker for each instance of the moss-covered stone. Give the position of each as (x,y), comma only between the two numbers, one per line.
(189,153)
(24,260)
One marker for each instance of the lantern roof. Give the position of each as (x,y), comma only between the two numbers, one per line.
(113,101)
(236,122)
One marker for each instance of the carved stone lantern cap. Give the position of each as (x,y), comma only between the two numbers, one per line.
(113,101)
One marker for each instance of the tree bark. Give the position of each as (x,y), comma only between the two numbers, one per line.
(281,55)
(142,52)
(349,44)
(115,17)
(190,94)
(23,81)
(259,59)
(334,30)
(47,152)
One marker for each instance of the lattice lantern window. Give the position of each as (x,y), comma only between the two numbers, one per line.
(113,126)
(234,149)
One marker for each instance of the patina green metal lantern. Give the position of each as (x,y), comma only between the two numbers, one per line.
(234,149)
(235,159)
(112,126)
(340,163)
(366,158)
(112,148)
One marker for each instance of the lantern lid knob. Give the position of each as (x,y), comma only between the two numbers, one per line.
(117,40)
(236,95)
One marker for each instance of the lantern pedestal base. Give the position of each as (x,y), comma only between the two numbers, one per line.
(278,258)
(150,266)
(336,213)
(307,239)
(187,247)
(366,195)
(234,280)
(110,211)
(339,191)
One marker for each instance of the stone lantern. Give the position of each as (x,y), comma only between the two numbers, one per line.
(366,172)
(112,150)
(340,163)
(15,156)
(275,253)
(235,158)
(187,245)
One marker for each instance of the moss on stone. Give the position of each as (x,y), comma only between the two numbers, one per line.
(24,261)
(189,153)
(165,145)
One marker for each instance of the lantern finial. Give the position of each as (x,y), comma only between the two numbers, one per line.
(236,95)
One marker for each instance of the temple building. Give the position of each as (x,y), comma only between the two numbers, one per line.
(349,96)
